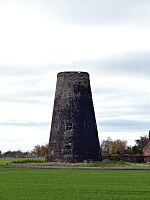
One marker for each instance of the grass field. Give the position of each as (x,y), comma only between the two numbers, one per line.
(41,162)
(56,184)
(9,161)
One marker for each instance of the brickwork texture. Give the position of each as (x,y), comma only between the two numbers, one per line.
(73,135)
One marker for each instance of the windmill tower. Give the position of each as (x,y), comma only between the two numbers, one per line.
(73,135)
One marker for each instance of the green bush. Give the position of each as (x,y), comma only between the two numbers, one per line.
(28,161)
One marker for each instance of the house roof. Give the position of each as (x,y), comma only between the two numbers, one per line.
(147,145)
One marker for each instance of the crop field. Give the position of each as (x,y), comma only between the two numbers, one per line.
(67,184)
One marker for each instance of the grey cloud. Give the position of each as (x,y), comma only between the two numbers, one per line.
(124,125)
(35,71)
(26,70)
(33,124)
(130,64)
(132,110)
(87,12)
(35,93)
(130,104)
(24,100)
(31,96)
(122,93)
(98,12)
(135,63)
(135,102)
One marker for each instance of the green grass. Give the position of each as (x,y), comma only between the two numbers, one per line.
(9,161)
(48,184)
(41,162)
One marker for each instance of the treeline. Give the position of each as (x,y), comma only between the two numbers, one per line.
(108,147)
(37,151)
(111,147)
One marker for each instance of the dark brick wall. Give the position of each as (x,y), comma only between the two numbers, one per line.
(73,105)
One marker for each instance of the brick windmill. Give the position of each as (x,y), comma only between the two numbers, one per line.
(73,135)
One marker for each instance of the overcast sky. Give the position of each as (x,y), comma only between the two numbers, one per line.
(39,38)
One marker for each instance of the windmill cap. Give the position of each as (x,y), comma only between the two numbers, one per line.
(73,73)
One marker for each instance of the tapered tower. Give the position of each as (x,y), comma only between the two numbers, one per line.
(73,135)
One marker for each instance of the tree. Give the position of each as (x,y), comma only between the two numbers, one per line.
(131,150)
(105,146)
(110,146)
(44,150)
(36,150)
(40,150)
(14,154)
(141,143)
(135,149)
(19,154)
(118,147)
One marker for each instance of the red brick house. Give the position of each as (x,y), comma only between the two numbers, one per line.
(146,151)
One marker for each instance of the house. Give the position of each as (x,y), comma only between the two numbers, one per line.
(146,151)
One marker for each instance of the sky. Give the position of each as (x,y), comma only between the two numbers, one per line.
(39,38)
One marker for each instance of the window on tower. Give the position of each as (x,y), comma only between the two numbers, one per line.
(68,126)
(68,149)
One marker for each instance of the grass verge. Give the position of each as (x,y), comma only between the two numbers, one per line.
(41,162)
